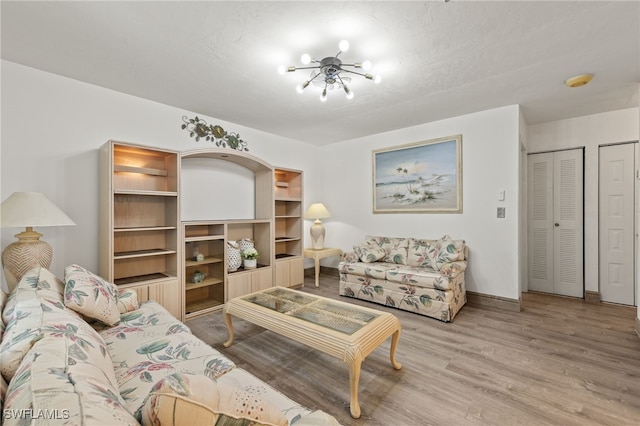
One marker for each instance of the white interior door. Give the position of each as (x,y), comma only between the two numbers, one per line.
(556,222)
(616,223)
(540,213)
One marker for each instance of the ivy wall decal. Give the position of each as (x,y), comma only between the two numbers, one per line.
(199,128)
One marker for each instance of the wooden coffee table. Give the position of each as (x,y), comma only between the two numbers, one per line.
(343,330)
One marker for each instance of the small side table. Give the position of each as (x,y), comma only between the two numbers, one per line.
(317,254)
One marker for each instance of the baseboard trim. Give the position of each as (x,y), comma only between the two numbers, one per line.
(638,326)
(487,301)
(592,296)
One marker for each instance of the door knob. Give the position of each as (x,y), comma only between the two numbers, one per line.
(557,224)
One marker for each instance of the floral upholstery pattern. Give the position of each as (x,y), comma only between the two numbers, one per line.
(369,254)
(428,280)
(35,303)
(395,248)
(90,295)
(3,382)
(127,300)
(150,344)
(198,400)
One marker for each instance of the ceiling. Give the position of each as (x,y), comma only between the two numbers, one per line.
(437,59)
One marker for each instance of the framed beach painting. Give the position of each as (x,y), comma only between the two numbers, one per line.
(422,177)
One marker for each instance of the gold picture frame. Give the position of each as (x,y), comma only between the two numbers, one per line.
(421,177)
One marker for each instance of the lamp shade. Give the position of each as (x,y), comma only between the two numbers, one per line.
(317,211)
(29,209)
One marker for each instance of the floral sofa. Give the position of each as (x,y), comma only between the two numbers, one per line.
(416,275)
(81,352)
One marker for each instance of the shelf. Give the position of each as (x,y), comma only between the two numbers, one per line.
(142,253)
(242,269)
(283,239)
(285,256)
(194,308)
(288,199)
(145,228)
(204,238)
(206,283)
(140,279)
(139,170)
(291,216)
(144,192)
(206,261)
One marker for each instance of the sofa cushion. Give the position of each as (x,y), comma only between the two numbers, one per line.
(395,248)
(421,252)
(420,277)
(36,302)
(369,253)
(449,250)
(197,400)
(372,270)
(90,295)
(53,378)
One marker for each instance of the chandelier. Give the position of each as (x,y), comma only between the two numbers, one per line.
(329,73)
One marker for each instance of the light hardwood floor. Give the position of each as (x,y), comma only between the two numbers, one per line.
(558,362)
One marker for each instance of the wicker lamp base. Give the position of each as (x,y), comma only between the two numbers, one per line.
(23,255)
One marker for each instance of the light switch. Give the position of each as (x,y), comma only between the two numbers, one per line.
(501,195)
(501,212)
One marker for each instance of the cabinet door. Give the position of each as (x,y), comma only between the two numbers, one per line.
(168,295)
(297,272)
(283,273)
(261,279)
(238,285)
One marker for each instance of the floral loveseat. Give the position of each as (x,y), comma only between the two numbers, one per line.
(81,352)
(416,275)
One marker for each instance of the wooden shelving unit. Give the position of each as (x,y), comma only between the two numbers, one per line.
(288,217)
(139,212)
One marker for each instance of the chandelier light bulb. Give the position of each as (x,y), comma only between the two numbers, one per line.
(377,79)
(303,86)
(366,65)
(348,92)
(323,97)
(343,45)
(305,58)
(282,69)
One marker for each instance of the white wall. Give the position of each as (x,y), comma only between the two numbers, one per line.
(490,156)
(588,132)
(52,128)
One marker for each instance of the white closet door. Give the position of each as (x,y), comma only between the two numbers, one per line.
(616,216)
(568,221)
(540,212)
(556,222)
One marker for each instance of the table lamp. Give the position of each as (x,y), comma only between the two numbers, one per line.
(317,211)
(28,209)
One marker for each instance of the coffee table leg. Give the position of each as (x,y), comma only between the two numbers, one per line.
(354,381)
(392,353)
(227,319)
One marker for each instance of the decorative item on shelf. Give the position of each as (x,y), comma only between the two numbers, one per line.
(28,209)
(328,73)
(195,252)
(246,243)
(199,257)
(234,260)
(198,277)
(200,129)
(317,211)
(250,256)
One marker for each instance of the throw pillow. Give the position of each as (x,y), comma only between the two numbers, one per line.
(421,252)
(448,251)
(127,300)
(90,295)
(194,399)
(368,253)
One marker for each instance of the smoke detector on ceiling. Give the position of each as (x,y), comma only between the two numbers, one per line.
(579,80)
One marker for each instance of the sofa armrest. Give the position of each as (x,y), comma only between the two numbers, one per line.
(453,269)
(349,257)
